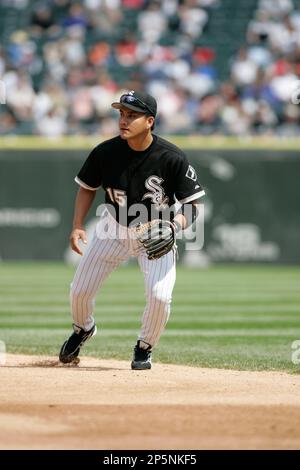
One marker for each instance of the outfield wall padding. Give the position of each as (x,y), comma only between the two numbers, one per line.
(251,204)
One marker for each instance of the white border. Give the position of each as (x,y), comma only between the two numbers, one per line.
(192,197)
(84,185)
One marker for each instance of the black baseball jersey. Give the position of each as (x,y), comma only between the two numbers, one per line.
(152,178)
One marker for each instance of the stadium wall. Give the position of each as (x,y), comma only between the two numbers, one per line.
(251,206)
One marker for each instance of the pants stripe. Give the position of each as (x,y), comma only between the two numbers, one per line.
(103,256)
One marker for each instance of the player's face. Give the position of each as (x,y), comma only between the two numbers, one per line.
(133,124)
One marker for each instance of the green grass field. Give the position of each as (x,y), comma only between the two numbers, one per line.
(239,317)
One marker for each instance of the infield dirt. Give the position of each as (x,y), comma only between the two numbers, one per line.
(102,404)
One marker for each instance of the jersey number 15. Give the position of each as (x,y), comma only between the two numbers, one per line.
(117,196)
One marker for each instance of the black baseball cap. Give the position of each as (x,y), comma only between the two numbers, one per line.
(137,101)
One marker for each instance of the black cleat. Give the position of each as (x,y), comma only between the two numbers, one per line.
(141,357)
(70,349)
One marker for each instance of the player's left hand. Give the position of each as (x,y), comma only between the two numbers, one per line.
(157,237)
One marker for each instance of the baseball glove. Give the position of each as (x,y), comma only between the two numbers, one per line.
(157,236)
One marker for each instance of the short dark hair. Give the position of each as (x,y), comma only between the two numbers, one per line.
(153,125)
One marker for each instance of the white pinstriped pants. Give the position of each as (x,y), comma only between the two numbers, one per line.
(104,254)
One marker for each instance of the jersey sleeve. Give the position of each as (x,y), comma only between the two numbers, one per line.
(187,186)
(90,175)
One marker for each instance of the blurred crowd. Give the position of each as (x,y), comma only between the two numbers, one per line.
(74,59)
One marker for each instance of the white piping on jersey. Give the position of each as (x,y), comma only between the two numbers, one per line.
(84,185)
(192,197)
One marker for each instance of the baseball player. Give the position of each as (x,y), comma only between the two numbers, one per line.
(142,175)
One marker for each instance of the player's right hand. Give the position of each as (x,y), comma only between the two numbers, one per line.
(76,235)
